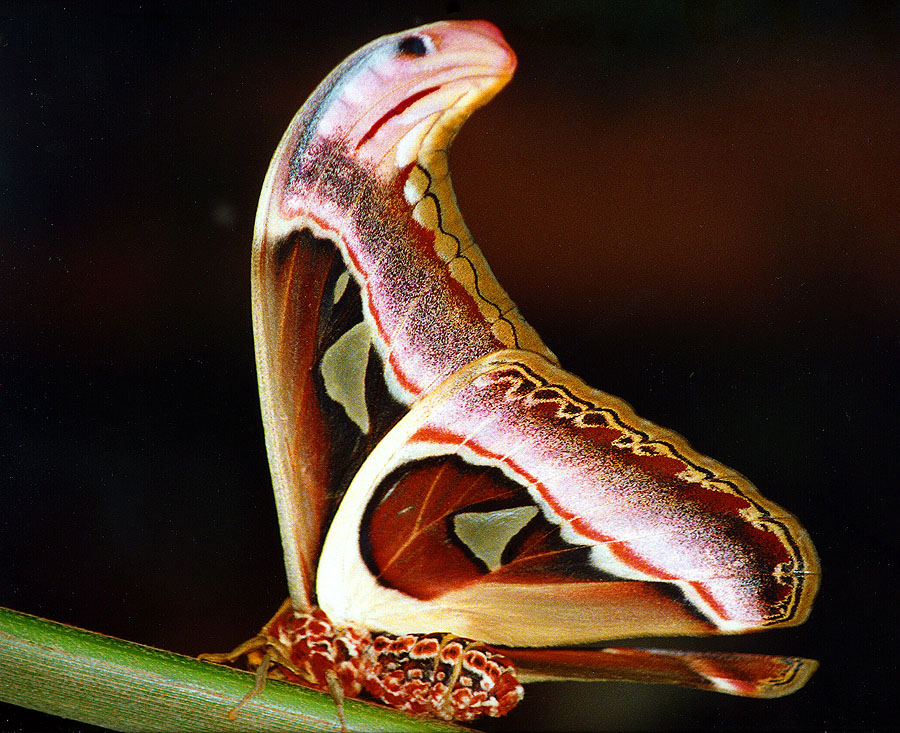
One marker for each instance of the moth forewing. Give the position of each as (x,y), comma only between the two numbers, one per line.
(605,589)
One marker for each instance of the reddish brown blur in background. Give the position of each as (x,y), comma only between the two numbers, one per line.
(698,209)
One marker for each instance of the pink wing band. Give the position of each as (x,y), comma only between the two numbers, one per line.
(619,500)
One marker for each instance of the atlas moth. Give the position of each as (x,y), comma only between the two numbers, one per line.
(459,514)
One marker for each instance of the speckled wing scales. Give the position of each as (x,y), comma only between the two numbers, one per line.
(367,287)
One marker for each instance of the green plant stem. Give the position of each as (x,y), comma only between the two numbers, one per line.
(120,685)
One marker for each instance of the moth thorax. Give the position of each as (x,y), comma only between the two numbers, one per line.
(309,647)
(435,674)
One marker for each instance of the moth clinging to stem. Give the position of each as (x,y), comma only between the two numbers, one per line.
(457,511)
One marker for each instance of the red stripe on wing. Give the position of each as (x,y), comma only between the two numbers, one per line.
(396,110)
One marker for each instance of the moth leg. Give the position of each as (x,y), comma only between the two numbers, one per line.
(251,645)
(262,652)
(259,685)
(336,690)
(446,702)
(261,641)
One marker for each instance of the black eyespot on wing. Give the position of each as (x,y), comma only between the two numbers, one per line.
(412,46)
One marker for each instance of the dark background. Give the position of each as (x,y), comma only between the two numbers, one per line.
(696,205)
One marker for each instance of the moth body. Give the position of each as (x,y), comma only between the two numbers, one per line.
(431,674)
